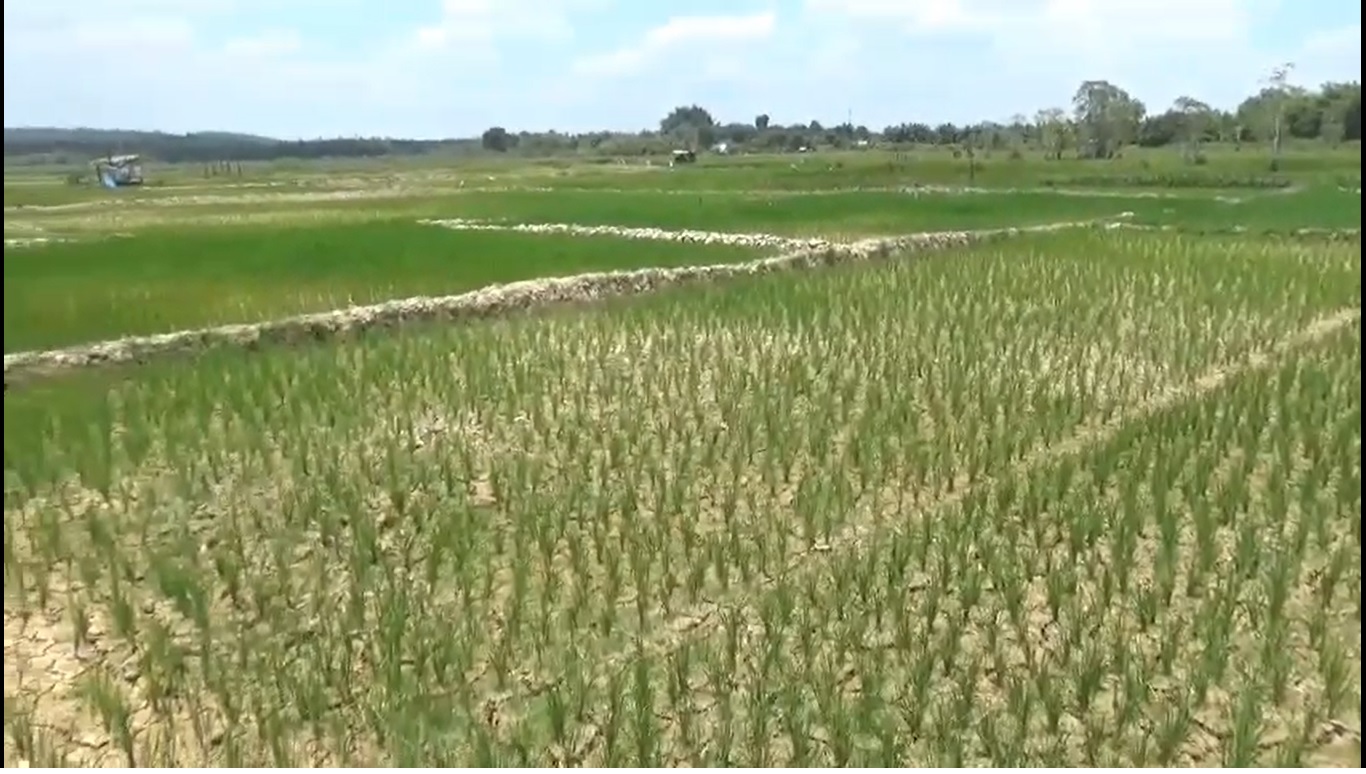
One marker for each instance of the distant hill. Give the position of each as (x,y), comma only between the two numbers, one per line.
(45,144)
(86,137)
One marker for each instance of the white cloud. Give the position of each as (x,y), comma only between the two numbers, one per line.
(152,32)
(271,43)
(272,79)
(1343,41)
(465,22)
(915,16)
(1134,25)
(1158,49)
(260,65)
(677,34)
(686,29)
(1066,23)
(1328,55)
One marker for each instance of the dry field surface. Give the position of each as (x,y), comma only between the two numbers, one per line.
(1081,498)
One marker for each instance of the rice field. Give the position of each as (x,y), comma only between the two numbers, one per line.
(818,210)
(1089,498)
(167,280)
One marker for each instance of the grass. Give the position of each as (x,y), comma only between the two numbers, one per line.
(898,213)
(1085,499)
(1310,163)
(171,275)
(847,213)
(850,213)
(1139,168)
(1321,208)
(170,279)
(864,213)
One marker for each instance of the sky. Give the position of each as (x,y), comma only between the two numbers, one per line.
(452,68)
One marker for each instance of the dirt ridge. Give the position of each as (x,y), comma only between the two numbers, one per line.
(494,300)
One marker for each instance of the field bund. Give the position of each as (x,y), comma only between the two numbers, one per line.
(502,299)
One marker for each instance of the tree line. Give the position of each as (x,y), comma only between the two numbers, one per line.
(1102,119)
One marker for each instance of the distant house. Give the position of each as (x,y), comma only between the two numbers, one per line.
(684,157)
(118,171)
(721,148)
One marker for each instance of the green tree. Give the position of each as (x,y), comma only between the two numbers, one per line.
(1339,106)
(497,139)
(685,119)
(1196,119)
(1054,131)
(691,124)
(1107,118)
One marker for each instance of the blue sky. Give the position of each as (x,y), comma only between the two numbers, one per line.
(440,68)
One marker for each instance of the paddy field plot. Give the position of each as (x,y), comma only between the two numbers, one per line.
(1227,168)
(884,213)
(855,213)
(792,214)
(817,212)
(1090,498)
(164,280)
(1269,213)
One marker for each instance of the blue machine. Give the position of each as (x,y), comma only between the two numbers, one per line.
(119,171)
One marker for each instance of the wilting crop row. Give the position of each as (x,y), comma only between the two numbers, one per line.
(805,518)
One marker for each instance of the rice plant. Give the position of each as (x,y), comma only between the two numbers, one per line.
(1076,499)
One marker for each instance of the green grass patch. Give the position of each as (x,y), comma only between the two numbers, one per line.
(1225,167)
(167,280)
(845,213)
(900,213)
(1311,208)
